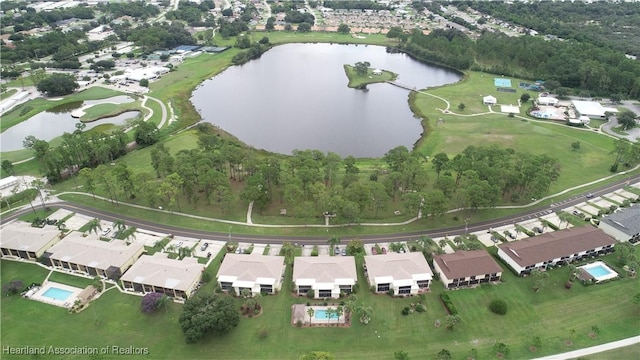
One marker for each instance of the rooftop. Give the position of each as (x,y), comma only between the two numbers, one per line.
(555,244)
(250,267)
(21,236)
(159,270)
(412,265)
(462,264)
(626,220)
(324,269)
(92,252)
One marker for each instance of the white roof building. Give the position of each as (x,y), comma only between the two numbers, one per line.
(407,273)
(258,273)
(489,100)
(547,100)
(20,239)
(148,73)
(158,273)
(327,276)
(592,109)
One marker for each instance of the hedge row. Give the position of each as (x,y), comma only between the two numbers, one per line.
(29,195)
(446,301)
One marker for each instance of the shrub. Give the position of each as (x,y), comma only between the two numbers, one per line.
(263,333)
(405,311)
(391,292)
(299,323)
(446,301)
(498,307)
(421,308)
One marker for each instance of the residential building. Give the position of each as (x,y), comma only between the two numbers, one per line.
(547,100)
(327,276)
(405,274)
(623,225)
(466,268)
(92,256)
(555,248)
(158,273)
(20,239)
(258,273)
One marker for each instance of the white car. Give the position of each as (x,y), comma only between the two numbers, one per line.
(106,231)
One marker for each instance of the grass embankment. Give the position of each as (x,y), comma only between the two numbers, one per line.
(106,110)
(24,111)
(563,319)
(7,94)
(359,81)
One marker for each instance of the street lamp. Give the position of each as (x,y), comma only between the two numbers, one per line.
(230,232)
(466,228)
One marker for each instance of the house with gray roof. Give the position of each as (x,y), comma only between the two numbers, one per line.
(91,256)
(555,248)
(405,274)
(327,276)
(623,225)
(258,273)
(158,273)
(20,239)
(466,268)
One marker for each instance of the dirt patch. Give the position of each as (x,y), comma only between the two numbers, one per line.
(533,348)
(592,335)
(568,342)
(499,355)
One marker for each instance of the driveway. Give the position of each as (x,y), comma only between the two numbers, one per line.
(632,134)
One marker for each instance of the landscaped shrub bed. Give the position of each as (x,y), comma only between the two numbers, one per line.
(446,301)
(498,307)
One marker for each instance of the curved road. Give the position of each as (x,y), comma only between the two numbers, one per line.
(274,239)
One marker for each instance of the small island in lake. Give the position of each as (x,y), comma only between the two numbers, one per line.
(360,75)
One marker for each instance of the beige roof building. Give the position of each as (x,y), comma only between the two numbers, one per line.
(159,273)
(92,256)
(464,268)
(327,276)
(407,273)
(258,273)
(19,239)
(555,247)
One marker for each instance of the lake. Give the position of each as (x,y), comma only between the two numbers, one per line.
(57,120)
(296,97)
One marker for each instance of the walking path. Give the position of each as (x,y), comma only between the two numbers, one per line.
(594,349)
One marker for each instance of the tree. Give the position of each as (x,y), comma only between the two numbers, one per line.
(498,307)
(94,225)
(310,312)
(333,242)
(362,67)
(401,355)
(538,278)
(58,84)
(461,106)
(287,251)
(129,233)
(39,185)
(150,302)
(146,133)
(502,348)
(119,225)
(13,287)
(451,321)
(627,119)
(365,314)
(270,25)
(88,180)
(525,97)
(443,354)
(144,82)
(575,146)
(206,314)
(636,298)
(344,29)
(439,162)
(355,247)
(304,27)
(7,166)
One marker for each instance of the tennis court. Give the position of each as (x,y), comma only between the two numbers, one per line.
(502,82)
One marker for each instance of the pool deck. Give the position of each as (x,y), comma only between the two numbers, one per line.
(300,313)
(67,303)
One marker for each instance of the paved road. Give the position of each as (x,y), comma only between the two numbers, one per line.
(275,239)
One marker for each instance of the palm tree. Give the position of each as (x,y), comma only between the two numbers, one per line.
(330,312)
(339,311)
(333,242)
(310,311)
(163,302)
(130,232)
(119,225)
(365,314)
(572,272)
(424,241)
(442,243)
(94,225)
(287,251)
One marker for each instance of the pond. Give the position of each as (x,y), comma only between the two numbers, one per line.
(57,120)
(296,97)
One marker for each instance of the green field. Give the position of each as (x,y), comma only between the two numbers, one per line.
(358,81)
(563,319)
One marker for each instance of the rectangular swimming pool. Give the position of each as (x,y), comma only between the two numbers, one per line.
(324,315)
(599,271)
(57,294)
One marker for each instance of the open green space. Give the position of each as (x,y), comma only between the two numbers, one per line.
(562,319)
(71,280)
(7,94)
(106,110)
(362,80)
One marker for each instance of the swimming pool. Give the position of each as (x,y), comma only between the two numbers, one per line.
(324,315)
(599,271)
(57,294)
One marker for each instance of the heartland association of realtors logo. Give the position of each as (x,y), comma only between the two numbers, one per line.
(74,350)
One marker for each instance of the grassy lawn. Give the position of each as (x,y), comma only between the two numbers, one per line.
(7,94)
(558,316)
(100,111)
(71,280)
(357,81)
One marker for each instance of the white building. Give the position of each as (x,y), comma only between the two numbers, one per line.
(20,239)
(327,276)
(258,273)
(592,109)
(489,100)
(553,248)
(547,101)
(405,274)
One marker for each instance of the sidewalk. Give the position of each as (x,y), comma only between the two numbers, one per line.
(594,349)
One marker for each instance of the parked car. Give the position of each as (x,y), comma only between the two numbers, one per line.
(344,252)
(537,229)
(336,251)
(204,246)
(384,250)
(576,213)
(510,235)
(238,250)
(589,195)
(106,231)
(179,244)
(374,251)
